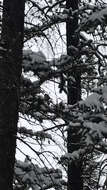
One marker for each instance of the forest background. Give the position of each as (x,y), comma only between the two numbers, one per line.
(62,126)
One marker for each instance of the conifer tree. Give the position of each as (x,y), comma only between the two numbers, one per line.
(74,95)
(10,72)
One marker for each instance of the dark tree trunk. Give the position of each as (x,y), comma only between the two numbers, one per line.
(74,95)
(10,72)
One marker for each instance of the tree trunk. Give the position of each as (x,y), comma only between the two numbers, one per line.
(74,95)
(10,72)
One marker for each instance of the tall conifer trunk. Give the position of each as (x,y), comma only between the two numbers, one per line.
(74,95)
(10,72)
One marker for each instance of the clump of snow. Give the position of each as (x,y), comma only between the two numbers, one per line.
(38,57)
(92,102)
(104,94)
(32,61)
(36,177)
(39,134)
(73,157)
(102,91)
(95,18)
(98,15)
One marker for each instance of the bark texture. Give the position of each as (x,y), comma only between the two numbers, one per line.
(74,95)
(10,72)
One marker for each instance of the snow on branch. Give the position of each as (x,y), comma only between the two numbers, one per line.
(98,16)
(30,133)
(92,102)
(35,177)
